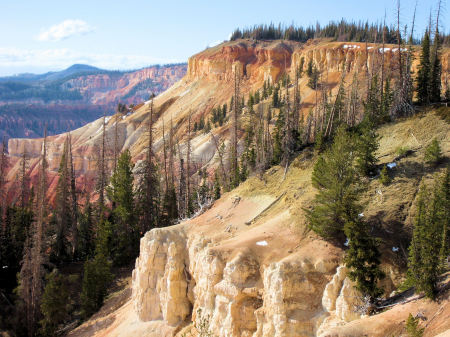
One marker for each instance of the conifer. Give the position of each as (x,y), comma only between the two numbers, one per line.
(336,179)
(363,258)
(423,75)
(125,234)
(433,153)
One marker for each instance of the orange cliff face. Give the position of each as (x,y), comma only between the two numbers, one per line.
(208,83)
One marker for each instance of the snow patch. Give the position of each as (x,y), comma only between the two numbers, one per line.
(361,215)
(184,92)
(395,249)
(391,165)
(262,243)
(384,50)
(350,46)
(347,242)
(107,119)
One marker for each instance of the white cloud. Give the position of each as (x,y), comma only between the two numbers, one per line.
(18,60)
(64,30)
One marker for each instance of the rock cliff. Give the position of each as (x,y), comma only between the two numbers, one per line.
(209,83)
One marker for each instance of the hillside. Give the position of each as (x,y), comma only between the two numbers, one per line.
(249,267)
(70,98)
(207,84)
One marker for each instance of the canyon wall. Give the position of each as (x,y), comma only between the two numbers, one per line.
(208,84)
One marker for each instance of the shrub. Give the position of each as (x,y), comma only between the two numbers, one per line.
(433,153)
(384,176)
(412,327)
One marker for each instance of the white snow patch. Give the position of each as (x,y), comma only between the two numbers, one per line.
(391,165)
(395,249)
(361,215)
(123,117)
(350,46)
(385,50)
(107,119)
(184,92)
(369,47)
(347,242)
(262,243)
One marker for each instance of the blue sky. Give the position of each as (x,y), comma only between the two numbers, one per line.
(42,35)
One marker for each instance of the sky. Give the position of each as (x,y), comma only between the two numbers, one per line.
(47,35)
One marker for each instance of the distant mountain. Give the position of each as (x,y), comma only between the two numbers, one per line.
(74,96)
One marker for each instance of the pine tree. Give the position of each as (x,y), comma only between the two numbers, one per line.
(435,63)
(148,182)
(85,243)
(433,153)
(363,259)
(56,303)
(366,147)
(336,179)
(125,234)
(63,207)
(429,238)
(216,186)
(423,74)
(384,176)
(412,327)
(444,215)
(96,278)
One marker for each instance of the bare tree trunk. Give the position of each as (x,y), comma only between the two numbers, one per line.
(73,193)
(382,55)
(234,139)
(222,167)
(188,167)
(166,179)
(37,249)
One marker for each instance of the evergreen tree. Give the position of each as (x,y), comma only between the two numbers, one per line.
(56,303)
(363,259)
(313,75)
(339,187)
(433,153)
(278,137)
(436,69)
(384,176)
(216,186)
(125,234)
(423,74)
(85,244)
(386,102)
(429,238)
(444,214)
(96,278)
(366,147)
(63,210)
(275,97)
(412,327)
